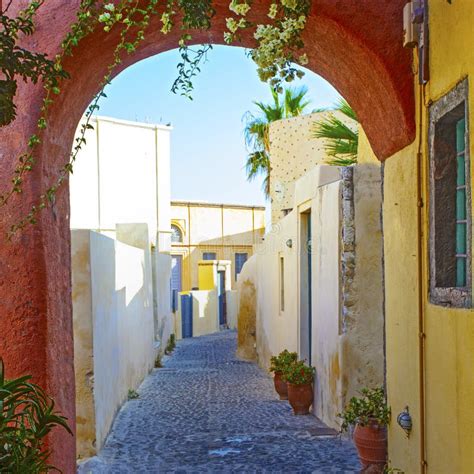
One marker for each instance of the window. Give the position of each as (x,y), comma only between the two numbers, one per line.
(450,200)
(282,284)
(209,256)
(176,234)
(240,259)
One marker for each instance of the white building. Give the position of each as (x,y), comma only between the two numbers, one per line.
(314,285)
(121,265)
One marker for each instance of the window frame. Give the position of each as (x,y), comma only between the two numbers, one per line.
(205,254)
(181,233)
(237,273)
(441,295)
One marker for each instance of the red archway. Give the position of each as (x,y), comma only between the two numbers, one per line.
(357,46)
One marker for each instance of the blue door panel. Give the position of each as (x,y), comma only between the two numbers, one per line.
(186,316)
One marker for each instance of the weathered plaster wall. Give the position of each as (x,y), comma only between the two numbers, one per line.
(83,342)
(247,315)
(327,303)
(449,332)
(347,281)
(123,329)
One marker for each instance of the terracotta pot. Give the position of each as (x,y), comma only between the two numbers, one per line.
(300,398)
(280,386)
(371,444)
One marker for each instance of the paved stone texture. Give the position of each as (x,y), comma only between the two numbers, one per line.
(207,411)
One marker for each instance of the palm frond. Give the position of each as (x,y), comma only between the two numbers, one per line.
(295,101)
(334,129)
(341,141)
(256,130)
(342,161)
(344,107)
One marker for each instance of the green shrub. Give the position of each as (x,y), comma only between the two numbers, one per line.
(132,394)
(371,405)
(299,373)
(171,344)
(280,362)
(26,417)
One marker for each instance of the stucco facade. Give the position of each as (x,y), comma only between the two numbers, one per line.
(114,326)
(122,176)
(120,219)
(223,230)
(429,347)
(318,281)
(294,152)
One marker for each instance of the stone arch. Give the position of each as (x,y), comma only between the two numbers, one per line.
(356,48)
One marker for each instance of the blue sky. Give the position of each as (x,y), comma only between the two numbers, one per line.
(207,149)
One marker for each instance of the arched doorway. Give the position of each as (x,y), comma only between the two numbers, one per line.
(359,50)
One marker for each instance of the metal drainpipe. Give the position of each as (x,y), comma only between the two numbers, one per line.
(421,287)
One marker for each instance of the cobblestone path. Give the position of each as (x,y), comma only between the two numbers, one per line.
(207,411)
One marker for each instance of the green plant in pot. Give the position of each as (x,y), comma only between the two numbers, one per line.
(369,414)
(299,377)
(278,365)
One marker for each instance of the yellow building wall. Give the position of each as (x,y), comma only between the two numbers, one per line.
(220,228)
(449,354)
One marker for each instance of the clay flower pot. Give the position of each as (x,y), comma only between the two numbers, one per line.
(280,386)
(300,398)
(371,444)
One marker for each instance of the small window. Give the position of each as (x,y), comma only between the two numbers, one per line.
(176,234)
(209,256)
(240,259)
(450,200)
(282,284)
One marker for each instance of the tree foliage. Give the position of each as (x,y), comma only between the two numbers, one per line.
(290,103)
(341,140)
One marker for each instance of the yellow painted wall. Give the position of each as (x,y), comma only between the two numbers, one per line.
(220,228)
(449,332)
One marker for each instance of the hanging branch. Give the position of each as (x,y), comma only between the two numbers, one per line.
(279,45)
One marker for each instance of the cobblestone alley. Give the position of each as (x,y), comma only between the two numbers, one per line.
(207,411)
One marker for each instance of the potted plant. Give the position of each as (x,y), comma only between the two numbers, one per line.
(299,377)
(369,415)
(278,365)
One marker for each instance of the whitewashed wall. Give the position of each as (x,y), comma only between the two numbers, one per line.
(122,175)
(114,326)
(347,305)
(205,313)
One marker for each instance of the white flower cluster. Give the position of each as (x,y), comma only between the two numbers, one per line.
(166,22)
(277,42)
(109,16)
(239,8)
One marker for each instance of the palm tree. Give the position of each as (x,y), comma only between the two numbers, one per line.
(341,140)
(257,130)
